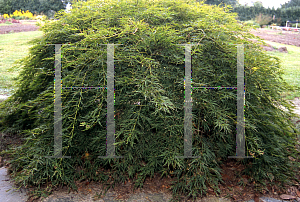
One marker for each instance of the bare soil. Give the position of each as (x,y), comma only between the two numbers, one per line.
(283,37)
(18,27)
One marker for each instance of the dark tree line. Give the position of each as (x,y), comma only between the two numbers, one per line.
(47,7)
(289,11)
(292,3)
(279,15)
(217,2)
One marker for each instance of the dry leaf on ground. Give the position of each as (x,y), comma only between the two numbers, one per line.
(298,193)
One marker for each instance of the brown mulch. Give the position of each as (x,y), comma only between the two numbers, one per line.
(231,189)
(17,27)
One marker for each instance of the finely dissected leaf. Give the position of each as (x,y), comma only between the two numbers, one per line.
(149,98)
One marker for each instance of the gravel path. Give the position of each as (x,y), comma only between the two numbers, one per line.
(5,185)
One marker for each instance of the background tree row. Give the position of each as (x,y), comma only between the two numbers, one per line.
(288,12)
(278,16)
(47,7)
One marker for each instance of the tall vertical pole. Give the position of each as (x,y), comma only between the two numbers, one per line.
(240,102)
(110,123)
(57,106)
(188,131)
(240,126)
(188,116)
(110,101)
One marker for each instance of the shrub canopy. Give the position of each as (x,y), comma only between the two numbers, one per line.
(149,69)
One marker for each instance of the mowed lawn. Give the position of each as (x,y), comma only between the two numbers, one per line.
(291,66)
(13,46)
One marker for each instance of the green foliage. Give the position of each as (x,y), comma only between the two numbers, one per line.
(218,2)
(291,3)
(149,68)
(18,17)
(251,23)
(5,6)
(263,19)
(258,4)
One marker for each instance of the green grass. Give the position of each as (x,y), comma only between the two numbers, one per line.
(29,23)
(6,24)
(13,47)
(290,65)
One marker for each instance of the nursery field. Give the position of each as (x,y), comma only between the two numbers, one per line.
(23,26)
(290,63)
(283,37)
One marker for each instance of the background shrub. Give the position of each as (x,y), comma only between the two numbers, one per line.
(262,19)
(252,24)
